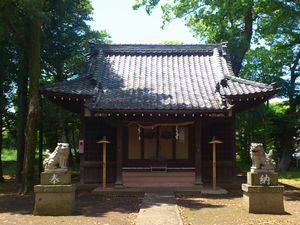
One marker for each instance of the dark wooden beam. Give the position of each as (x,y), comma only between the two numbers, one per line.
(198,153)
(233,149)
(157,143)
(120,147)
(142,143)
(82,156)
(173,143)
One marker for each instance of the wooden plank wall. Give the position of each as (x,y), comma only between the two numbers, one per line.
(92,164)
(223,131)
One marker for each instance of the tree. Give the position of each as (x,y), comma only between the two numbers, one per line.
(24,21)
(172,42)
(278,60)
(1,116)
(15,23)
(34,48)
(58,50)
(64,50)
(7,53)
(213,22)
(272,27)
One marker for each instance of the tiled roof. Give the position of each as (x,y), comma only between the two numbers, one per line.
(163,77)
(80,86)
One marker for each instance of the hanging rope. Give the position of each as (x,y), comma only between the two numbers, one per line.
(139,133)
(177,133)
(161,124)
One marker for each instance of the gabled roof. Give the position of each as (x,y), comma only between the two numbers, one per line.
(165,77)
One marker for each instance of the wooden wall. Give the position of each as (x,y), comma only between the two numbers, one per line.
(91,164)
(95,128)
(223,131)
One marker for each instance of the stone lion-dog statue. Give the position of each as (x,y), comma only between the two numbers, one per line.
(57,160)
(261,160)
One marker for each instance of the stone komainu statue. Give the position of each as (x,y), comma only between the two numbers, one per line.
(261,160)
(58,159)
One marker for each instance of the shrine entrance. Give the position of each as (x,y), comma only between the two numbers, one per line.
(164,146)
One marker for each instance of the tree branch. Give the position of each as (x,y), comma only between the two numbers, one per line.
(295,64)
(248,23)
(19,37)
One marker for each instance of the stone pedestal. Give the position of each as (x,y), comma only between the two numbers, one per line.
(262,194)
(55,196)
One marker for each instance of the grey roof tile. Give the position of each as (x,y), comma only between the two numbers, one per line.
(159,77)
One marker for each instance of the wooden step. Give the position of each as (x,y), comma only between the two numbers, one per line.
(158,179)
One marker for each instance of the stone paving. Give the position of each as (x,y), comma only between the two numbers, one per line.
(159,208)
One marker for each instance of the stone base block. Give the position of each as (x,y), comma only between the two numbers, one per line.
(54,200)
(259,199)
(55,178)
(262,178)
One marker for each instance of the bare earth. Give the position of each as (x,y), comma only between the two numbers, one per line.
(195,210)
(90,209)
(228,209)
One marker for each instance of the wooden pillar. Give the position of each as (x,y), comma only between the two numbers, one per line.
(233,149)
(198,153)
(120,147)
(81,155)
(214,142)
(103,142)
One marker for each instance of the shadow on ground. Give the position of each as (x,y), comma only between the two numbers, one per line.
(87,204)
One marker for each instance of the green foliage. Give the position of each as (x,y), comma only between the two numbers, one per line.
(9,155)
(268,124)
(212,21)
(172,42)
(65,35)
(272,27)
(291,176)
(250,127)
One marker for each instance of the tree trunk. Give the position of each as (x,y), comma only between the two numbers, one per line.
(33,107)
(59,68)
(1,124)
(41,136)
(291,131)
(286,145)
(74,144)
(239,48)
(70,159)
(22,99)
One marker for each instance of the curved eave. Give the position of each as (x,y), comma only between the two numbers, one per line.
(246,102)
(71,102)
(151,114)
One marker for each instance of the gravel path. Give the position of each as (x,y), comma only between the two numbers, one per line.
(159,208)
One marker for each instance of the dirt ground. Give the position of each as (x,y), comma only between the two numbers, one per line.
(229,209)
(195,210)
(90,209)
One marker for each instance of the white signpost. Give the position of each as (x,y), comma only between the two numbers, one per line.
(297,156)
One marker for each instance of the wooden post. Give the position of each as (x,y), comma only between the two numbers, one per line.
(214,142)
(198,153)
(103,142)
(120,143)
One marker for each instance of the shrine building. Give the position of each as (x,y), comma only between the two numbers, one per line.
(159,106)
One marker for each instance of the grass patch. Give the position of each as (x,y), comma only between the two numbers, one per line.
(292,176)
(9,155)
(9,158)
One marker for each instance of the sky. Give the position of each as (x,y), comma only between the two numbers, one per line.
(128,26)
